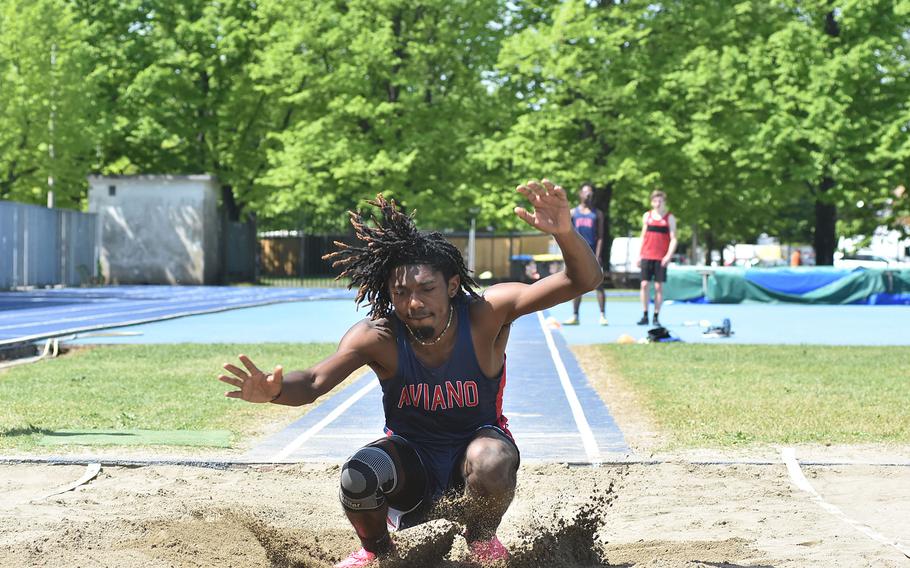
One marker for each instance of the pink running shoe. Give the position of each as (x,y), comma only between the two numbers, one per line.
(488,551)
(362,557)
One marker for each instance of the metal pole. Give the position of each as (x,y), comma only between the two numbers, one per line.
(50,128)
(471,245)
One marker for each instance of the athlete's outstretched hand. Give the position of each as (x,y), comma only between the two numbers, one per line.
(254,385)
(551,207)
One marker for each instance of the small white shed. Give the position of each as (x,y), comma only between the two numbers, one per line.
(157,229)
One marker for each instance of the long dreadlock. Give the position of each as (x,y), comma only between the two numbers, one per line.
(393,241)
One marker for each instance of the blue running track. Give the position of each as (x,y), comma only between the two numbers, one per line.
(535,401)
(554,413)
(28,316)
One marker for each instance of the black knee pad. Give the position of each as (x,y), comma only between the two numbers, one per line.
(412,483)
(366,478)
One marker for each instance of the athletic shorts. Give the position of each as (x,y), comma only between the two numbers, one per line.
(653,269)
(442,472)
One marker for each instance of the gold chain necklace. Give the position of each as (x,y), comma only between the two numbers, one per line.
(441,335)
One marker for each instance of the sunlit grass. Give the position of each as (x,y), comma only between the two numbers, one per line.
(154,387)
(720,395)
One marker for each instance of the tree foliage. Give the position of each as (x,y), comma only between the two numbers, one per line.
(383,97)
(48,109)
(786,117)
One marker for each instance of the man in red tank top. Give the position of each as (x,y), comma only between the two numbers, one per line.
(658,243)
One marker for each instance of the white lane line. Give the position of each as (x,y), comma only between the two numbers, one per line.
(140,320)
(587,436)
(91,312)
(316,428)
(796,475)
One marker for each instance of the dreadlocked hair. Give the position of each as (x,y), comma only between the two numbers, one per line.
(393,241)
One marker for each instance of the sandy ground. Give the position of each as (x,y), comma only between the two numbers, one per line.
(673,512)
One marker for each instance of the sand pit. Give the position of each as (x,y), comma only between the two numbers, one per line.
(670,514)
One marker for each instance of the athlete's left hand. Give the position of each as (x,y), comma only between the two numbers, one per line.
(551,207)
(254,385)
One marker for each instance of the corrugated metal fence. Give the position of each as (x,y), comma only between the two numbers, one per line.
(46,247)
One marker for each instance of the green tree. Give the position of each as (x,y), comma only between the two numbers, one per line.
(839,82)
(177,79)
(635,95)
(381,96)
(736,109)
(48,109)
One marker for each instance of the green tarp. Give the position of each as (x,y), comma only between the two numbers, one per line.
(735,285)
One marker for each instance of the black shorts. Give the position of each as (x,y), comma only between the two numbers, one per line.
(653,269)
(435,472)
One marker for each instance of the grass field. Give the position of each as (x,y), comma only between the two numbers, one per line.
(700,395)
(155,387)
(723,395)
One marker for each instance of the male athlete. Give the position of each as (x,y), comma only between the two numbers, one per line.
(589,222)
(438,349)
(658,243)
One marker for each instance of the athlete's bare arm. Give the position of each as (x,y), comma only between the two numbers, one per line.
(582,272)
(366,343)
(671,223)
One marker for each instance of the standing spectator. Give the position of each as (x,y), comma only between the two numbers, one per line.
(658,243)
(589,222)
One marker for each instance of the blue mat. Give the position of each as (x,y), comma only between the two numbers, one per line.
(791,281)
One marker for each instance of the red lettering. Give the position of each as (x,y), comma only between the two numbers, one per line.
(455,393)
(415,394)
(438,399)
(405,399)
(470,393)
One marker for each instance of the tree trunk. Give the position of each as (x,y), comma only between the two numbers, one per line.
(231,210)
(709,246)
(693,256)
(603,200)
(824,238)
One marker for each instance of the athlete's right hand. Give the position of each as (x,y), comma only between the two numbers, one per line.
(254,385)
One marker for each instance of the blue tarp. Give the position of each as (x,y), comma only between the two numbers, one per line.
(795,280)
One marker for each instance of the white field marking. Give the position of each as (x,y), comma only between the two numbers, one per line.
(587,436)
(796,475)
(316,428)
